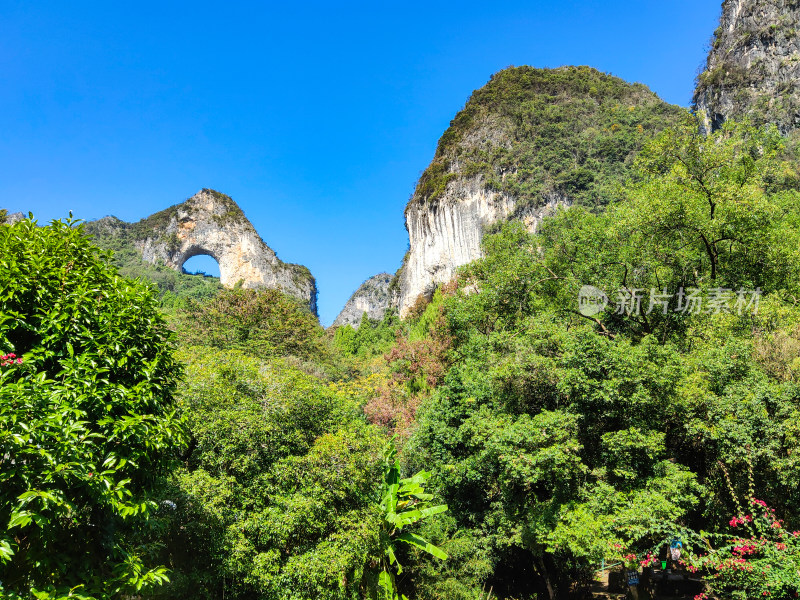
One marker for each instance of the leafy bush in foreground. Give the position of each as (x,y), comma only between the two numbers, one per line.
(86,418)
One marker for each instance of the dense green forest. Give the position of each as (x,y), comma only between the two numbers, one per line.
(503,441)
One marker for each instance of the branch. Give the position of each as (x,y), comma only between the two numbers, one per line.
(594,320)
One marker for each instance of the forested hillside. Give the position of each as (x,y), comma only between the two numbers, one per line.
(233,448)
(584,381)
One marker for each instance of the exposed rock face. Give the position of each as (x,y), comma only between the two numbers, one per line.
(14,218)
(753,68)
(528,141)
(372,297)
(447,234)
(211,223)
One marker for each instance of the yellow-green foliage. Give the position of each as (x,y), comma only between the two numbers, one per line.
(262,323)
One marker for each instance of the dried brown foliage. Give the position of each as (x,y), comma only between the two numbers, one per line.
(417,366)
(779,353)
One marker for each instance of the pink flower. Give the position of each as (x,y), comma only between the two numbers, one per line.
(9,359)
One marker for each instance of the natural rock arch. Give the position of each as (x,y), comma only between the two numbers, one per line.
(211,223)
(193,267)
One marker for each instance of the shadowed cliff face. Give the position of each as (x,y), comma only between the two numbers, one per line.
(753,66)
(528,141)
(211,223)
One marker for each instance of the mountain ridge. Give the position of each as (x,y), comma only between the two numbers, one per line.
(528,141)
(209,223)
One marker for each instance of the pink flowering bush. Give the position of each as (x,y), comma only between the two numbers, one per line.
(10,359)
(632,560)
(760,559)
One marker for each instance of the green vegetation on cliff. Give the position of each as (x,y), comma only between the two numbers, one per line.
(158,222)
(174,288)
(538,133)
(753,65)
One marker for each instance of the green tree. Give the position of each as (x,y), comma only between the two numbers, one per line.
(558,438)
(86,416)
(710,208)
(404,502)
(262,323)
(371,338)
(276,499)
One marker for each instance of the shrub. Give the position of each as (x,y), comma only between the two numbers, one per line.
(760,560)
(262,323)
(86,421)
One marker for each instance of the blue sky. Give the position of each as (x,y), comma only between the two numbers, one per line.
(317,118)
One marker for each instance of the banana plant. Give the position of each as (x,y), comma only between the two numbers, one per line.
(403,503)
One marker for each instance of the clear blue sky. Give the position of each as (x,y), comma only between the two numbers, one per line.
(317,118)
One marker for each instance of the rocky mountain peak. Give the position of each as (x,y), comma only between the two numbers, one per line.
(753,66)
(372,297)
(212,223)
(528,141)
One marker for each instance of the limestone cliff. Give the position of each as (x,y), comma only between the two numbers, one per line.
(372,297)
(212,223)
(527,141)
(10,218)
(753,67)
(447,234)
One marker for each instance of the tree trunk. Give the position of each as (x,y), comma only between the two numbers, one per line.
(543,572)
